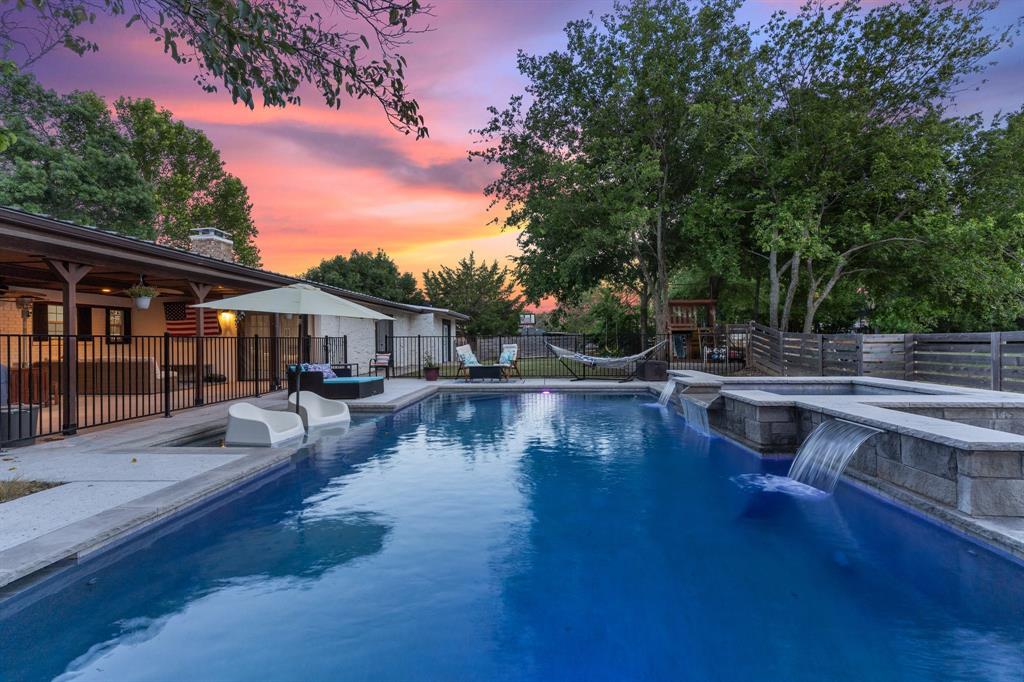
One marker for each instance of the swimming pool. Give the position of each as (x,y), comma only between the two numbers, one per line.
(533,537)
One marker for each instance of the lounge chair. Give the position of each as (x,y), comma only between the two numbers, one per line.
(474,369)
(335,388)
(510,357)
(251,425)
(316,410)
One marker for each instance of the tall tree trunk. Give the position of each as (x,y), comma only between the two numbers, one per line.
(645,304)
(794,281)
(756,313)
(660,292)
(773,289)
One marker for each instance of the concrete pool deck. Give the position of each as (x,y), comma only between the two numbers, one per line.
(124,478)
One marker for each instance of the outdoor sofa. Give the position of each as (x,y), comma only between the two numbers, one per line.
(335,387)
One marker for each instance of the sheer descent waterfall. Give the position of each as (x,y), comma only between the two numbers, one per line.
(696,415)
(826,452)
(666,393)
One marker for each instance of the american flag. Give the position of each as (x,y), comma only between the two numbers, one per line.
(181,320)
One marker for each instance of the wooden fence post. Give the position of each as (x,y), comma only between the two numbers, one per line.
(997,361)
(860,355)
(821,355)
(908,357)
(783,369)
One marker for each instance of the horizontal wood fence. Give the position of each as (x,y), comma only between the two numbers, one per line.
(993,360)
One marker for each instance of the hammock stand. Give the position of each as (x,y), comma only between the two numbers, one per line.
(593,361)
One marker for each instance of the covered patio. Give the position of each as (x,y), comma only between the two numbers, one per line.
(76,351)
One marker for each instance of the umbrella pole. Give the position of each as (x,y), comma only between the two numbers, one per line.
(298,373)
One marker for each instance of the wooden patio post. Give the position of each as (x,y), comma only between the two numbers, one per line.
(997,361)
(70,275)
(200,291)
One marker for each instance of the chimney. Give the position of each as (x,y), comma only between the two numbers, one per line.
(209,241)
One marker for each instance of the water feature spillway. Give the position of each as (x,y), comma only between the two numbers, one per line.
(666,393)
(696,415)
(826,452)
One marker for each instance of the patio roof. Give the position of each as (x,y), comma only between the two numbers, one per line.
(27,240)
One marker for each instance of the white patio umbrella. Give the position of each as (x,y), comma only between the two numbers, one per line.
(295,299)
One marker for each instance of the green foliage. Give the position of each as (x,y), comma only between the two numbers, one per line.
(485,292)
(187,175)
(605,313)
(853,153)
(140,291)
(818,179)
(140,172)
(270,48)
(69,159)
(369,273)
(601,170)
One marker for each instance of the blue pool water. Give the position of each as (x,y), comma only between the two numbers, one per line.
(531,537)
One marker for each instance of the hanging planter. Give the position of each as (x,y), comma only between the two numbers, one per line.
(142,295)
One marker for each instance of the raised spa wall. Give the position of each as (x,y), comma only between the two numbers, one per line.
(962,456)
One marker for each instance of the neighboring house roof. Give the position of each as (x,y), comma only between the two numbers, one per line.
(55,238)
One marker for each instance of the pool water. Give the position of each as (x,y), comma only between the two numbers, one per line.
(532,537)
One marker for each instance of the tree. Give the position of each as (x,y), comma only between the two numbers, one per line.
(604,313)
(140,172)
(246,47)
(484,292)
(853,156)
(369,273)
(611,168)
(188,178)
(69,159)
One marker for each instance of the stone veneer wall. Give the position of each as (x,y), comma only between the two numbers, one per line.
(976,482)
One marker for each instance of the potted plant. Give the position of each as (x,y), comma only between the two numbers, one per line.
(142,295)
(431,370)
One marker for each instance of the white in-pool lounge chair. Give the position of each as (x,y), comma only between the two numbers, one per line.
(251,425)
(319,411)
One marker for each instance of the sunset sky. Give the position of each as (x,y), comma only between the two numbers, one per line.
(324,181)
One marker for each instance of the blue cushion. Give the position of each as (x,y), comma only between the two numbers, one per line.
(352,380)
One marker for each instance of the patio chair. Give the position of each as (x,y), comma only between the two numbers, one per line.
(381,360)
(474,369)
(510,356)
(251,425)
(316,410)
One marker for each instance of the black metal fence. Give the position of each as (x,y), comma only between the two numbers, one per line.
(58,384)
(723,353)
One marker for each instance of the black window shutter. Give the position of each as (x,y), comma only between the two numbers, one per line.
(84,322)
(39,326)
(127,324)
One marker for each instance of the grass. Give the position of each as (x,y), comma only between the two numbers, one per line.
(550,367)
(12,489)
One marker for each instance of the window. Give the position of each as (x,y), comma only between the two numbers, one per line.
(54,320)
(118,325)
(48,320)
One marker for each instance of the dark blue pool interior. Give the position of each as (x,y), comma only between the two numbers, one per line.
(531,537)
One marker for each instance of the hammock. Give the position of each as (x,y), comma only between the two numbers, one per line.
(594,361)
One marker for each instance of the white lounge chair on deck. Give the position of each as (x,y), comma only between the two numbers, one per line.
(251,425)
(319,411)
